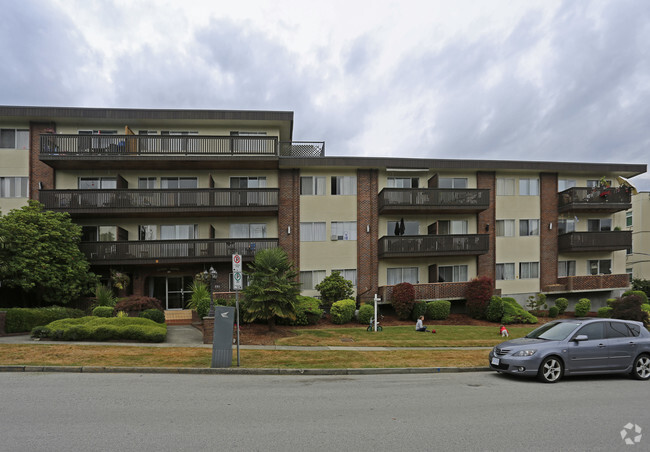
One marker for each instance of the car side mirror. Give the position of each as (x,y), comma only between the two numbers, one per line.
(580,338)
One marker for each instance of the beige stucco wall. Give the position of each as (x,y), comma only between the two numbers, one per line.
(639,260)
(423,263)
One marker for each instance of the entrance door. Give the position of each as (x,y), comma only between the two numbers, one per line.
(175,293)
(171,291)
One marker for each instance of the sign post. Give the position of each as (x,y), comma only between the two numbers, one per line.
(237,285)
(376,300)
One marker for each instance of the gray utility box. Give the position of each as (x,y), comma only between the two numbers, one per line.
(224,320)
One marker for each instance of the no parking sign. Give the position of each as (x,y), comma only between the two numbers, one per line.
(236,272)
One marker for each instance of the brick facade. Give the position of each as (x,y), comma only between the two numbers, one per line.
(548,217)
(595,282)
(487,218)
(435,291)
(38,171)
(289,214)
(367,215)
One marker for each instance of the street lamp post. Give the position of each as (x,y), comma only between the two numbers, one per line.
(212,274)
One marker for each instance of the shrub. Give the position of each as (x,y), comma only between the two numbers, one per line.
(630,307)
(438,309)
(513,312)
(645,307)
(419,308)
(153,314)
(22,320)
(403,300)
(642,285)
(200,298)
(536,303)
(638,293)
(562,304)
(342,311)
(479,292)
(308,312)
(583,306)
(104,296)
(103,311)
(495,309)
(136,303)
(605,312)
(610,302)
(553,311)
(366,312)
(103,329)
(334,287)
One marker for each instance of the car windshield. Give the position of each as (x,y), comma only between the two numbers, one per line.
(554,331)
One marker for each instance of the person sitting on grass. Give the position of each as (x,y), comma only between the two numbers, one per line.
(419,326)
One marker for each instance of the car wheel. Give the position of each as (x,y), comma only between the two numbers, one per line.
(641,367)
(551,370)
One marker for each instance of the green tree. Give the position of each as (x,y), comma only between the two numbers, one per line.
(41,256)
(334,288)
(273,290)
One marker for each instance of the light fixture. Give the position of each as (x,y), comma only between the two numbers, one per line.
(550,225)
(289,230)
(367,228)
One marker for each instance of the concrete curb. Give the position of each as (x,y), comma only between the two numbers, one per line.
(242,370)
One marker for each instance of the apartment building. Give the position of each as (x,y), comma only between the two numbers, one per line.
(165,194)
(637,220)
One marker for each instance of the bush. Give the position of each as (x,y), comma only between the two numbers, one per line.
(419,309)
(645,307)
(137,304)
(610,302)
(366,312)
(403,300)
(638,293)
(562,304)
(103,311)
(200,298)
(438,309)
(342,311)
(536,303)
(605,312)
(308,312)
(495,309)
(630,307)
(334,287)
(103,329)
(104,296)
(513,312)
(22,320)
(553,311)
(479,292)
(153,314)
(583,306)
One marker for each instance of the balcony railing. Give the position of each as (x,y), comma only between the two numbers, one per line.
(211,201)
(431,291)
(594,241)
(589,282)
(302,149)
(172,251)
(414,200)
(433,245)
(596,199)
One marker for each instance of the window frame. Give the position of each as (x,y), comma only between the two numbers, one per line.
(339,183)
(528,186)
(530,231)
(504,229)
(506,269)
(312,224)
(528,270)
(505,186)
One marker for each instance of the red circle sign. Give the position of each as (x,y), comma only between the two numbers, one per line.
(236,258)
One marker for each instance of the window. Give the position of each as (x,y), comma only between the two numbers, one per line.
(505,186)
(248,182)
(179,231)
(107,233)
(14,187)
(97,183)
(597,225)
(599,267)
(452,182)
(403,182)
(344,185)
(447,227)
(310,279)
(565,184)
(344,230)
(14,138)
(400,275)
(248,231)
(617,329)
(452,273)
(528,187)
(565,226)
(528,270)
(628,218)
(566,268)
(349,274)
(593,183)
(89,233)
(528,227)
(147,232)
(630,273)
(410,227)
(593,331)
(312,185)
(505,228)
(312,232)
(172,183)
(505,271)
(146,182)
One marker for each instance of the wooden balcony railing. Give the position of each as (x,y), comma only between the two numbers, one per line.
(590,282)
(594,241)
(415,200)
(597,199)
(431,291)
(172,251)
(211,201)
(433,245)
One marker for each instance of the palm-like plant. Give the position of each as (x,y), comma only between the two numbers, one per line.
(273,290)
(200,299)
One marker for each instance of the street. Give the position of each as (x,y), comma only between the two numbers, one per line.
(463,411)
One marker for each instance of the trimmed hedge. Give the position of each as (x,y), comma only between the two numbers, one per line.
(638,293)
(553,311)
(103,311)
(419,308)
(153,314)
(438,309)
(23,320)
(562,304)
(307,310)
(136,303)
(342,311)
(495,309)
(366,312)
(605,312)
(513,312)
(403,299)
(583,306)
(103,329)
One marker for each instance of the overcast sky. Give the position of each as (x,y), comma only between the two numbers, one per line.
(515,80)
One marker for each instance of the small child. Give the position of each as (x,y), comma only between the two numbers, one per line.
(503,331)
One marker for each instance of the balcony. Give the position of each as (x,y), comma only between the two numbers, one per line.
(433,245)
(154,202)
(596,200)
(432,291)
(172,251)
(428,200)
(577,242)
(590,283)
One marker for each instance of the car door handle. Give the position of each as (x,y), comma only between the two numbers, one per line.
(601,345)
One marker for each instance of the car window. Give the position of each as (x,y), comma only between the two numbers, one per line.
(554,331)
(617,329)
(593,331)
(634,329)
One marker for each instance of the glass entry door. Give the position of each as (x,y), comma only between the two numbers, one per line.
(171,291)
(175,293)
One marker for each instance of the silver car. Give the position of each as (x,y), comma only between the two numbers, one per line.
(576,347)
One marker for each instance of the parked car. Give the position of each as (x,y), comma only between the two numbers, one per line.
(577,347)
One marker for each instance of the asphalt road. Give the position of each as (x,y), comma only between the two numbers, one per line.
(447,412)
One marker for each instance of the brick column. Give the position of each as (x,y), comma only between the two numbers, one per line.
(486,262)
(38,171)
(367,215)
(289,214)
(548,215)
